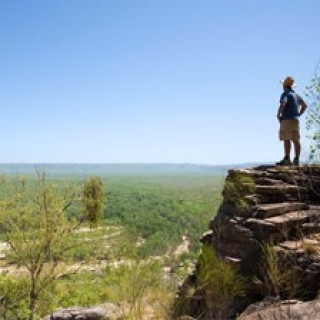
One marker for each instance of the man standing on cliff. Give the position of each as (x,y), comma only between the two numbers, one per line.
(291,108)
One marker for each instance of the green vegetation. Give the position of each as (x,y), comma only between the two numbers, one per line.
(94,199)
(220,282)
(159,209)
(162,209)
(135,286)
(280,278)
(312,93)
(236,189)
(39,235)
(55,258)
(14,301)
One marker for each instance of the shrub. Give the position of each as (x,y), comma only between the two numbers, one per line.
(280,278)
(14,298)
(220,283)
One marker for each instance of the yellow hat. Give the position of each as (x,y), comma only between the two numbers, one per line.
(288,82)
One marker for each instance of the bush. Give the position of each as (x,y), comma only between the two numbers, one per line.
(220,283)
(14,298)
(280,278)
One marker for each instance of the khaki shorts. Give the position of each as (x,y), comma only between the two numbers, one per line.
(289,130)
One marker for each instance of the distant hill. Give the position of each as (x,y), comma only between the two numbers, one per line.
(116,169)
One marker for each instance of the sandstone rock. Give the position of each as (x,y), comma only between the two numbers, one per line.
(283,310)
(276,189)
(107,311)
(294,216)
(263,230)
(268,181)
(282,209)
(275,209)
(310,228)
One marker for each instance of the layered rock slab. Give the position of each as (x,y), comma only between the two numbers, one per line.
(267,205)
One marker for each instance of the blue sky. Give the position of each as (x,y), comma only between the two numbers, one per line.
(184,81)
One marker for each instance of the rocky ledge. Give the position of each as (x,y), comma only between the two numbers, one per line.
(267,206)
(284,310)
(107,311)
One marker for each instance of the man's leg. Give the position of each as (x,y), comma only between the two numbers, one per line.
(286,160)
(297,148)
(284,135)
(287,148)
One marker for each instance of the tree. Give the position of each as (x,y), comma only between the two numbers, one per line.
(93,198)
(312,93)
(35,225)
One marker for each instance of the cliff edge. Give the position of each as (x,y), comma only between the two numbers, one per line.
(268,229)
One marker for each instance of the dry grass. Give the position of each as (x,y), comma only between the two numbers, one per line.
(312,246)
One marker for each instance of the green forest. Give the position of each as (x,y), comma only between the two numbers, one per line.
(147,233)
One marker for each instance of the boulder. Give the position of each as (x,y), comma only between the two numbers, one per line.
(282,310)
(106,311)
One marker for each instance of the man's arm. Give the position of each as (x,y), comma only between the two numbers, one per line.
(303,108)
(280,111)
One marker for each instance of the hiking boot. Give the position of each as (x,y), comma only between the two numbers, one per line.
(296,161)
(284,162)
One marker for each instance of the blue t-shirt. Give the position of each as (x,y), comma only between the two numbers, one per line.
(292,102)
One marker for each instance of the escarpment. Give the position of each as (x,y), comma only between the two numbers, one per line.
(268,228)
